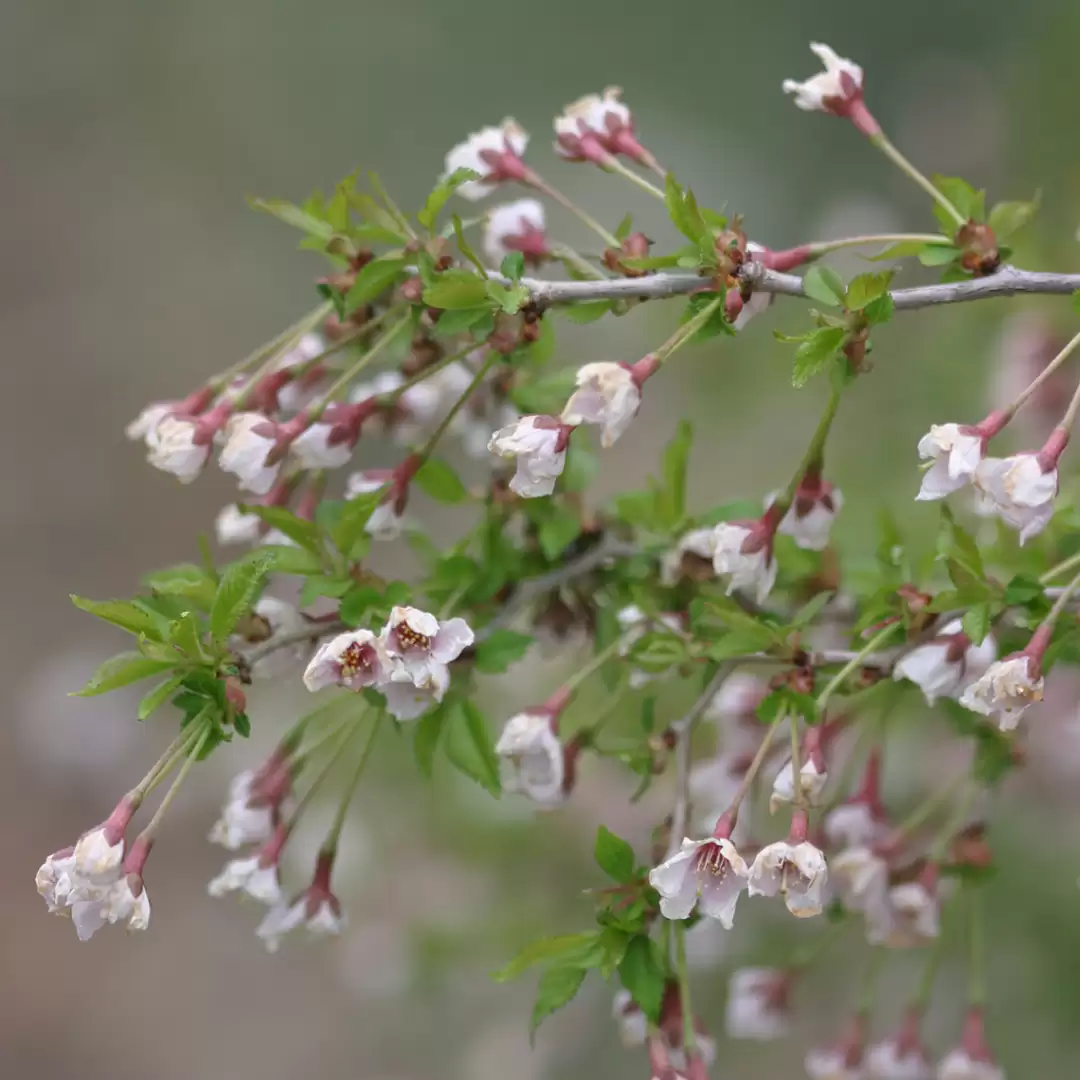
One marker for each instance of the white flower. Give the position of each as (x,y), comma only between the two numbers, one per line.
(385,522)
(738,698)
(632,1022)
(606,395)
(96,857)
(861,879)
(147,421)
(409,696)
(1022,493)
(888,1060)
(839,82)
(759,300)
(534,753)
(853,824)
(633,622)
(312,448)
(172,448)
(959,1065)
(122,901)
(249,438)
(243,822)
(319,914)
(258,879)
(810,518)
(233,526)
(797,870)
(422,642)
(492,152)
(539,445)
(304,351)
(709,874)
(911,918)
(955,452)
(355,659)
(833,1064)
(1005,690)
(812,781)
(272,618)
(947,663)
(757,1004)
(516,226)
(751,571)
(55,880)
(693,551)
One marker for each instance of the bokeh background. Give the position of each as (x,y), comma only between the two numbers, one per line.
(131,268)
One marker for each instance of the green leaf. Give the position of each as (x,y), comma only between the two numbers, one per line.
(557,532)
(513,266)
(976,623)
(426,740)
(240,586)
(939,254)
(457,322)
(558,987)
(587,312)
(184,635)
(293,215)
(614,855)
(716,324)
(439,481)
(879,310)
(469,747)
(643,976)
(813,355)
(500,649)
(566,949)
(510,300)
(907,248)
(825,285)
(463,247)
(863,289)
(673,469)
(122,613)
(456,289)
(373,280)
(962,195)
(187,580)
(810,610)
(1021,591)
(159,695)
(441,195)
(351,525)
(683,210)
(961,553)
(993,755)
(122,670)
(292,560)
(1007,218)
(298,529)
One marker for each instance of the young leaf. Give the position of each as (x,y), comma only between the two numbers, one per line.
(907,248)
(158,696)
(297,529)
(121,613)
(863,289)
(292,560)
(976,623)
(469,748)
(456,289)
(121,670)
(683,210)
(441,195)
(558,987)
(673,469)
(439,481)
(825,285)
(557,532)
(426,740)
(372,281)
(513,266)
(813,355)
(240,586)
(510,300)
(969,202)
(643,976)
(587,312)
(293,215)
(879,310)
(938,254)
(500,649)
(1007,218)
(614,855)
(579,949)
(351,524)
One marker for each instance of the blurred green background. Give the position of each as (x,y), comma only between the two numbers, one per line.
(131,269)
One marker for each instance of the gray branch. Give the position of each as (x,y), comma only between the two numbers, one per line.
(1008,281)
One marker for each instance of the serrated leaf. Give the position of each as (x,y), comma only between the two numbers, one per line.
(429,730)
(158,696)
(453,289)
(908,248)
(510,300)
(439,481)
(642,975)
(1022,590)
(865,288)
(825,285)
(557,532)
(469,747)
(122,613)
(292,560)
(810,610)
(565,949)
(500,649)
(123,670)
(673,470)
(969,202)
(240,586)
(557,988)
(614,855)
(879,310)
(441,195)
(683,210)
(1007,218)
(457,322)
(513,266)
(373,280)
(976,623)
(293,215)
(184,635)
(351,525)
(298,529)
(813,355)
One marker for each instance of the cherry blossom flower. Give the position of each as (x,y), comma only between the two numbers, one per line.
(632,1023)
(902,1056)
(355,659)
(255,875)
(861,880)
(1006,689)
(793,867)
(842,1060)
(692,557)
(251,810)
(173,448)
(493,152)
(385,522)
(55,879)
(955,451)
(409,695)
(910,918)
(147,421)
(538,444)
(707,874)
(972,1059)
(249,439)
(757,1004)
(317,448)
(233,526)
(854,824)
(835,90)
(530,746)
(812,781)
(608,395)
(517,226)
(810,517)
(597,125)
(99,852)
(1022,489)
(746,556)
(122,901)
(317,910)
(422,642)
(943,666)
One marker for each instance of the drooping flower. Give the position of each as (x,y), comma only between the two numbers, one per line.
(948,662)
(55,879)
(538,445)
(257,875)
(955,451)
(421,641)
(233,526)
(758,1004)
(172,447)
(517,226)
(837,90)
(1006,689)
(841,1060)
(253,805)
(123,901)
(599,124)
(794,868)
(410,695)
(530,746)
(813,510)
(1021,489)
(707,874)
(812,780)
(385,522)
(147,421)
(249,439)
(493,152)
(632,1023)
(856,823)
(861,880)
(690,558)
(608,395)
(355,659)
(902,1056)
(744,552)
(316,910)
(317,447)
(911,916)
(973,1058)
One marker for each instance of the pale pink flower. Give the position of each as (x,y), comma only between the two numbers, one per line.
(493,152)
(955,451)
(810,517)
(831,90)
(385,522)
(531,748)
(693,552)
(255,875)
(632,1023)
(1021,490)
(317,910)
(757,1004)
(355,659)
(538,446)
(608,395)
(1005,690)
(812,780)
(748,561)
(249,438)
(707,874)
(798,871)
(948,662)
(233,526)
(314,448)
(517,226)
(173,449)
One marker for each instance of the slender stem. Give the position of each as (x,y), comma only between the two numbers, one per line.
(346,734)
(953,824)
(685,332)
(545,188)
(796,765)
(306,753)
(597,661)
(683,974)
(155,822)
(882,143)
(815,452)
(164,764)
(1070,413)
(573,259)
(868,990)
(977,946)
(755,765)
(1063,567)
(1043,375)
(877,640)
(822,247)
(1061,601)
(928,808)
(329,845)
(616,166)
(489,362)
(920,1000)
(421,376)
(350,373)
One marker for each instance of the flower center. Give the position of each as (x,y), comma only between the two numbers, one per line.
(408,638)
(710,860)
(356,658)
